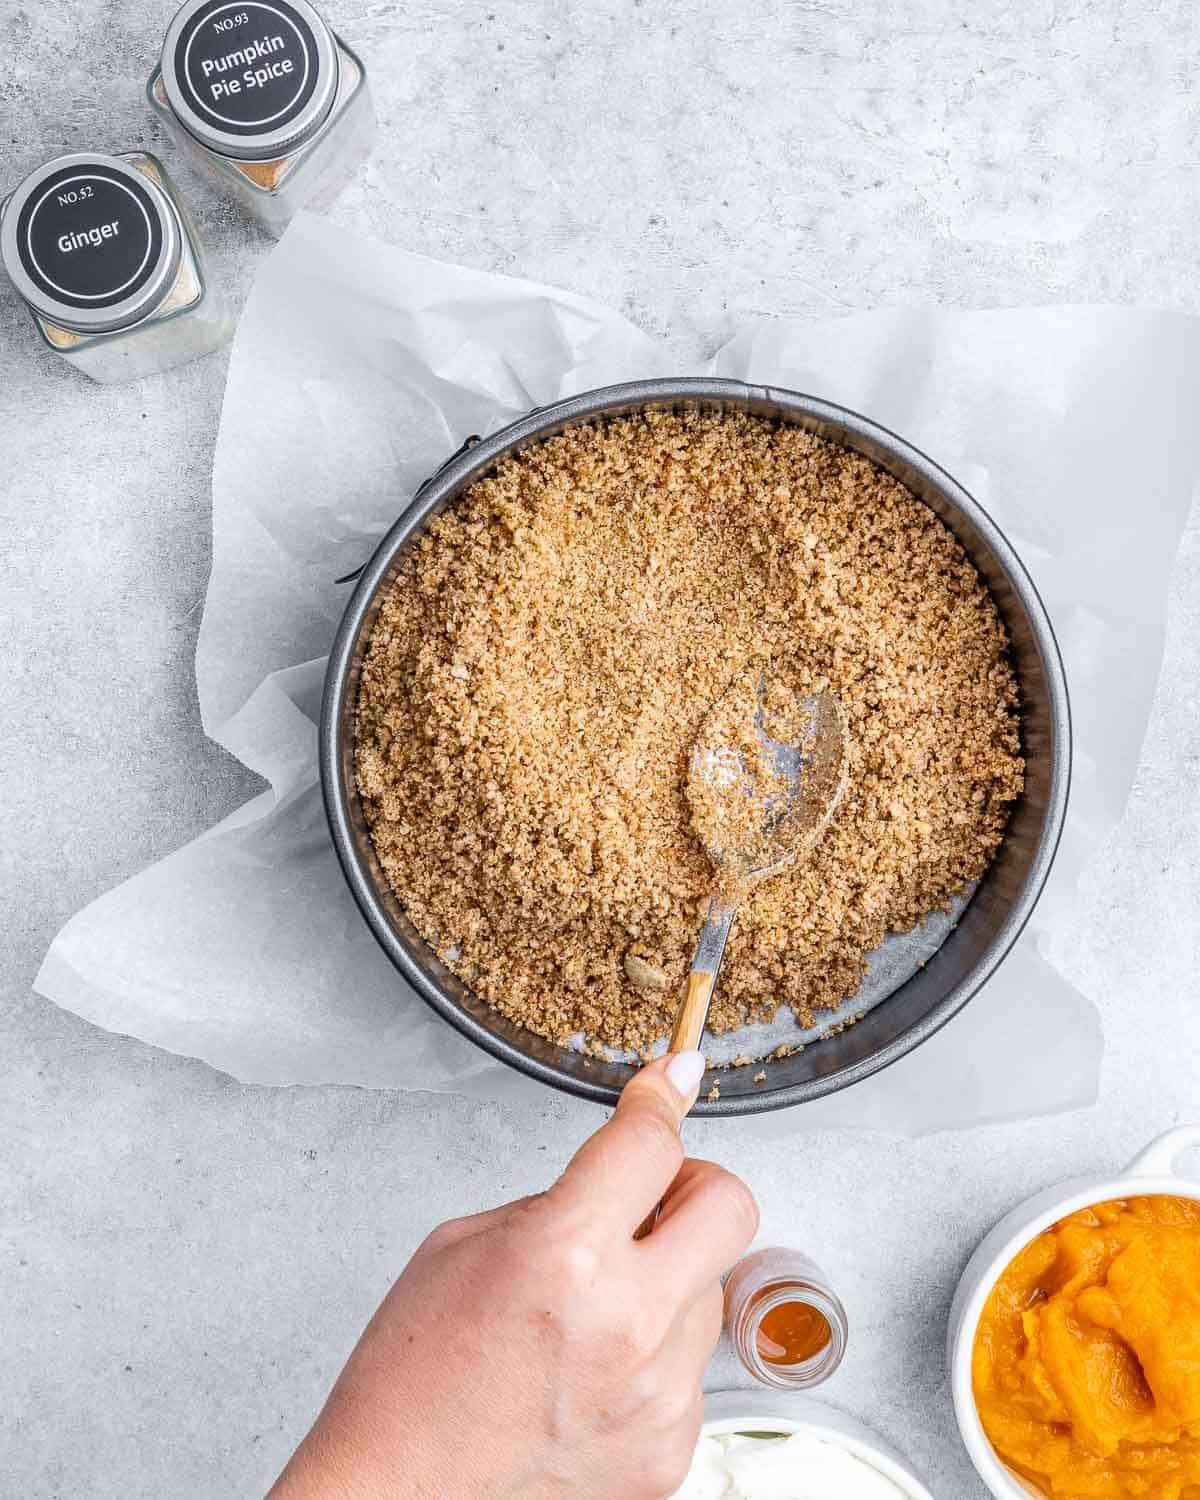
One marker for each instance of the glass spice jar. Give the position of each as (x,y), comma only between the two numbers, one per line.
(266,97)
(786,1323)
(106,259)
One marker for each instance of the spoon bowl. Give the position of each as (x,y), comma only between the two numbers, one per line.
(768,770)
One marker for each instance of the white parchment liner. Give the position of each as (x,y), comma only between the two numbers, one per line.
(357,369)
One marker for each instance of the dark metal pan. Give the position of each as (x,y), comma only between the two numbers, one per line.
(988,927)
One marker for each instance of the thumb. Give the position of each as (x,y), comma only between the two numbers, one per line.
(668,1085)
(621,1172)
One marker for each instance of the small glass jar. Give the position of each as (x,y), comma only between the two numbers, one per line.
(107,261)
(265,97)
(785,1321)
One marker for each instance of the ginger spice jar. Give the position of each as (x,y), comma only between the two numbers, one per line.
(106,259)
(262,94)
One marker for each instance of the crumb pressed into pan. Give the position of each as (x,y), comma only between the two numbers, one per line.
(543,661)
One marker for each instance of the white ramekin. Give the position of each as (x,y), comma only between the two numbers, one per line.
(781,1413)
(1152,1172)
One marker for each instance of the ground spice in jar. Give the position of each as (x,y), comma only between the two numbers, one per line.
(551,645)
(106,258)
(267,99)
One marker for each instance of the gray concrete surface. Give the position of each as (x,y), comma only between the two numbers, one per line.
(184,1261)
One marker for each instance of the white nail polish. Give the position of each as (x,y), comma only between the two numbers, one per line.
(685,1070)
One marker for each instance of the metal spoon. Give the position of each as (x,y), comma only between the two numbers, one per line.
(768,769)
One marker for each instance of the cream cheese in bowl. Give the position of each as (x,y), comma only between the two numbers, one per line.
(797,1467)
(758,1445)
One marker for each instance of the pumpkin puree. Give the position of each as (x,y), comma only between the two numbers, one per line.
(1086,1364)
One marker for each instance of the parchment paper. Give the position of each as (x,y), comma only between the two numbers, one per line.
(357,369)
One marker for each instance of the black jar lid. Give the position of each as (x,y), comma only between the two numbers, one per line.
(91,243)
(250,79)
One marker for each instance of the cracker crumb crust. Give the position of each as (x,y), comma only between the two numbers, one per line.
(544,658)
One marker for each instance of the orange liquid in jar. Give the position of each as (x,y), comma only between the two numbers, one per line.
(790,1333)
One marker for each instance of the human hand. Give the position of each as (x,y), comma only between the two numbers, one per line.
(538,1350)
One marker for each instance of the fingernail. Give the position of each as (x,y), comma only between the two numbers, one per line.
(684,1072)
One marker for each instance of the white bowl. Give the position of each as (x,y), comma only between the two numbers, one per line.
(1152,1172)
(779,1413)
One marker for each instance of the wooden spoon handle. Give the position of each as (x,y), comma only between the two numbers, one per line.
(693,1012)
(692,1015)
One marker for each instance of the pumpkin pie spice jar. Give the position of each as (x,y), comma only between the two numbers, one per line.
(263,95)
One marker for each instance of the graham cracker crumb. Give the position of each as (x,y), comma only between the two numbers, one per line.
(761,1077)
(843,1025)
(643,975)
(547,653)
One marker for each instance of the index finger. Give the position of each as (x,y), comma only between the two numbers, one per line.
(619,1174)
